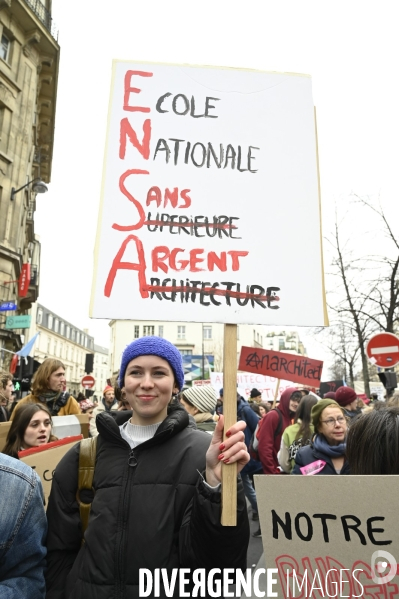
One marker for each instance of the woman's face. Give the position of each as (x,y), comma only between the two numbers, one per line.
(190,409)
(89,412)
(332,425)
(262,411)
(38,430)
(149,385)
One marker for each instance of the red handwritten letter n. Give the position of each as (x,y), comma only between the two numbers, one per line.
(127,131)
(117,264)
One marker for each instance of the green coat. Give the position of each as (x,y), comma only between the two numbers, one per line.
(287,440)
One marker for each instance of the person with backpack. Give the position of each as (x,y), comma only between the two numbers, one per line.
(273,426)
(155,499)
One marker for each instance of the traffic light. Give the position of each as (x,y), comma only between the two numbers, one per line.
(89,393)
(388,379)
(89,362)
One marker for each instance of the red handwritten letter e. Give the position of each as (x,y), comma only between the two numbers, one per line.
(133,90)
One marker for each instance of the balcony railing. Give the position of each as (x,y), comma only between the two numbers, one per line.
(44,16)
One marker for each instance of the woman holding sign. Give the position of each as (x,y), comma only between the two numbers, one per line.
(156,501)
(326,454)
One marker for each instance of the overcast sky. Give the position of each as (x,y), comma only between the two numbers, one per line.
(351,50)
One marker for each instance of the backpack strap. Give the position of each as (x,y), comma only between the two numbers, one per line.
(87,463)
(280,423)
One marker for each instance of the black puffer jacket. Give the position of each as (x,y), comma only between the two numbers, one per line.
(309,454)
(150,510)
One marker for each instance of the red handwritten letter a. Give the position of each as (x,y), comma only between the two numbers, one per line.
(117,264)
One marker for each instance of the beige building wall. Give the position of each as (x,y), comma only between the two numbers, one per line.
(101,370)
(29,56)
(285,341)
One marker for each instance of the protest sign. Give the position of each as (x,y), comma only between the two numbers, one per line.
(4,428)
(330,386)
(45,458)
(323,541)
(67,426)
(296,368)
(207,173)
(246,381)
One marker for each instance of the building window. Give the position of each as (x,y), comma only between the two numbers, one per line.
(281,343)
(62,328)
(148,330)
(73,334)
(50,321)
(160,331)
(4,47)
(186,352)
(207,332)
(56,324)
(136,331)
(55,348)
(181,332)
(67,331)
(39,316)
(48,347)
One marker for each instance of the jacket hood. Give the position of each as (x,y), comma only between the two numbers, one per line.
(285,401)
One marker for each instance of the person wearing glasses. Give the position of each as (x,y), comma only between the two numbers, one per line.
(327,452)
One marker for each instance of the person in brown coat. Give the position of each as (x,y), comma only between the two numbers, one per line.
(47,388)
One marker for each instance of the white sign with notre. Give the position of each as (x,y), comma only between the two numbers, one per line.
(209,174)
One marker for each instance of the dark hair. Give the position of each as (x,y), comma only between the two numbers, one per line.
(297,395)
(255,408)
(303,414)
(372,446)
(23,416)
(266,406)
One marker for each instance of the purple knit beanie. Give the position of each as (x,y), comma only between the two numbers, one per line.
(153,346)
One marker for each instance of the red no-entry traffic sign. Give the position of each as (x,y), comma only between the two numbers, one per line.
(383,350)
(88,382)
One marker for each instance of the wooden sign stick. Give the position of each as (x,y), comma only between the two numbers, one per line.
(229,471)
(276,393)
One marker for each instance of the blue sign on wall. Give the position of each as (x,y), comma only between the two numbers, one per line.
(6,306)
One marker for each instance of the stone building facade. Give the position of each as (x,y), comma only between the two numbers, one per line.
(62,340)
(29,58)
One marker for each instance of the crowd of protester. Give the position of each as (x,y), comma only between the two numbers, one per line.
(159,445)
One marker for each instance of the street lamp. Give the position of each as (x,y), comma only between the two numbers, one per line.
(38,187)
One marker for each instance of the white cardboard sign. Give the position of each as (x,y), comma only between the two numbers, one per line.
(210,175)
(246,381)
